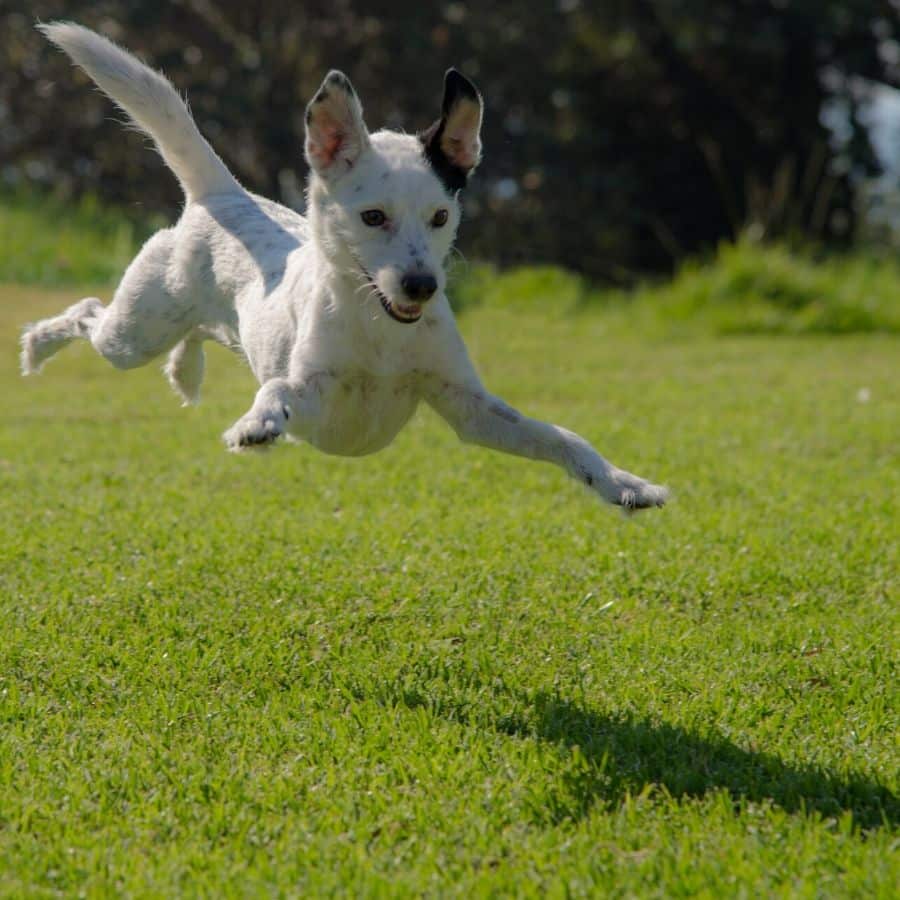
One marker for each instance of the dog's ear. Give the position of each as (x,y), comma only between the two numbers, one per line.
(453,143)
(336,135)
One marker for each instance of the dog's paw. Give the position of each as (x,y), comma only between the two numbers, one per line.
(627,491)
(635,493)
(254,431)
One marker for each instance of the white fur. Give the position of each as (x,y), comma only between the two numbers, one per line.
(306,300)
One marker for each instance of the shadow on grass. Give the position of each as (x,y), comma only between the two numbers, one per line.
(604,759)
(619,756)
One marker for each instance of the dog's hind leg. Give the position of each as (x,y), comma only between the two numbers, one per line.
(184,369)
(43,339)
(152,310)
(146,317)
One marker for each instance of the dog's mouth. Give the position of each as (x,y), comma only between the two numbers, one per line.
(400,312)
(407,313)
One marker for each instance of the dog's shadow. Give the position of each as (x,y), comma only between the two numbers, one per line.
(626,755)
(620,756)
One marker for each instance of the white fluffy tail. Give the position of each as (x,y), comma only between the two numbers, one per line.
(152,103)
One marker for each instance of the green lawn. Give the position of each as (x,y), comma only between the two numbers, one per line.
(50,242)
(444,671)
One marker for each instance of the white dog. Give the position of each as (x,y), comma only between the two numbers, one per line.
(342,314)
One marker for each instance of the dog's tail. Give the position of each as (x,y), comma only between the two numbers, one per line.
(152,103)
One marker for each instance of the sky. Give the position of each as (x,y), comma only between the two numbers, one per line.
(885,127)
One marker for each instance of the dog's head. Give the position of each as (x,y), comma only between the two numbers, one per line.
(384,206)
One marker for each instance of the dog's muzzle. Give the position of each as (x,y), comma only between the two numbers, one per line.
(419,288)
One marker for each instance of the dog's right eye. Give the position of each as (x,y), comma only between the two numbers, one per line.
(374,218)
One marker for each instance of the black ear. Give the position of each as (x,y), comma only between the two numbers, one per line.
(453,143)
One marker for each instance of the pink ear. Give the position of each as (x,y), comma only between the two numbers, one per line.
(336,134)
(324,140)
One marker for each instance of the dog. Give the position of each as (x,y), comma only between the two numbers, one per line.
(342,314)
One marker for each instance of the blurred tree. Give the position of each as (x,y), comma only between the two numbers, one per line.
(618,135)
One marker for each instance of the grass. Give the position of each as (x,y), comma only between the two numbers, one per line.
(47,241)
(443,671)
(753,288)
(745,288)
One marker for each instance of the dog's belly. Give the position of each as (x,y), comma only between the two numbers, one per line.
(362,414)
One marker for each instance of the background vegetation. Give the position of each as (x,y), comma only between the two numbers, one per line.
(620,136)
(744,287)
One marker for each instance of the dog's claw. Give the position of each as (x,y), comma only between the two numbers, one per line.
(642,496)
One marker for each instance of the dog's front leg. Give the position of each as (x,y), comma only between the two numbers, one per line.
(281,405)
(479,418)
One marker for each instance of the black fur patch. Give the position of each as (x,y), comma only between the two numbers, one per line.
(456,87)
(454,177)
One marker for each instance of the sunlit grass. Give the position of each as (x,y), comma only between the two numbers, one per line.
(745,288)
(444,671)
(49,242)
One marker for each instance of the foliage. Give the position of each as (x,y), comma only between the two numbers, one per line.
(524,287)
(747,287)
(751,288)
(620,137)
(443,671)
(46,241)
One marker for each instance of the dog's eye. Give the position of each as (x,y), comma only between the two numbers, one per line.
(374,218)
(439,219)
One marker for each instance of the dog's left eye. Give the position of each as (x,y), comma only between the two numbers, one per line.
(374,218)
(439,219)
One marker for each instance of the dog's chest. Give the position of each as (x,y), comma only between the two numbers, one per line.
(361,414)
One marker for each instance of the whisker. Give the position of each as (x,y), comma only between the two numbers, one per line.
(460,265)
(366,284)
(374,308)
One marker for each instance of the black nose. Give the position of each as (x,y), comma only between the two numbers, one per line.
(418,287)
